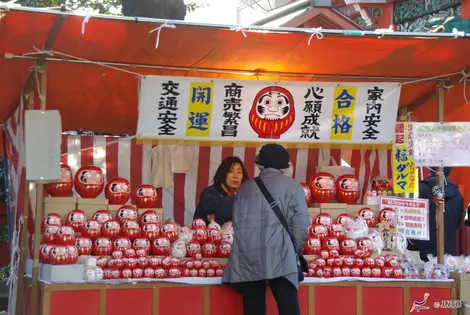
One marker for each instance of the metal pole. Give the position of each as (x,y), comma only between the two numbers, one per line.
(255,28)
(440,181)
(223,71)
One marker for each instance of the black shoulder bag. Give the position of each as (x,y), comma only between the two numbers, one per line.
(302,265)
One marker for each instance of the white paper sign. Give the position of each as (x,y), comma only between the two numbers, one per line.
(441,144)
(413,216)
(236,110)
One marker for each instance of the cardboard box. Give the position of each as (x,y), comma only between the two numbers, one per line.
(116,207)
(313,211)
(371,201)
(90,206)
(60,205)
(326,206)
(53,273)
(462,281)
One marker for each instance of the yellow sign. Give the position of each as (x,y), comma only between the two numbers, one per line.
(404,169)
(201,95)
(342,116)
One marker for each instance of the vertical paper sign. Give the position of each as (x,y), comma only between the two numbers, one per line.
(404,170)
(201,95)
(342,115)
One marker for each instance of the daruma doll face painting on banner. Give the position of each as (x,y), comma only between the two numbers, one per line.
(272,112)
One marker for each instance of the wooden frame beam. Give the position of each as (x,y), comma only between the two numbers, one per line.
(29,90)
(47,46)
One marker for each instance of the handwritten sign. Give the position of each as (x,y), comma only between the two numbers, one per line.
(205,109)
(403,166)
(441,144)
(413,216)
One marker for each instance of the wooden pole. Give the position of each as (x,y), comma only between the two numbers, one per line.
(440,181)
(39,211)
(20,292)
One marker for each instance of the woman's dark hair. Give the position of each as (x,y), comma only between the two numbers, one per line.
(225,167)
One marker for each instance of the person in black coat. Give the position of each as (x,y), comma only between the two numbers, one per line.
(216,201)
(454,208)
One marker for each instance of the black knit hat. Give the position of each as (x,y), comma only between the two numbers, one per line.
(273,156)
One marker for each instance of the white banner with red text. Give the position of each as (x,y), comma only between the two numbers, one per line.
(205,109)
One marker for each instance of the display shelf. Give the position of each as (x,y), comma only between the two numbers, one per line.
(166,298)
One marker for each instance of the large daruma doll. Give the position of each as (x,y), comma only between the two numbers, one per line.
(63,187)
(322,187)
(89,181)
(118,191)
(272,113)
(347,189)
(146,196)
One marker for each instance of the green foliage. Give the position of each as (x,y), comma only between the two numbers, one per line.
(100,6)
(5,272)
(3,234)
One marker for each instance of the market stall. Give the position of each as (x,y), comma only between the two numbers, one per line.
(234,57)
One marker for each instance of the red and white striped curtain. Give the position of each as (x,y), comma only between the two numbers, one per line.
(125,158)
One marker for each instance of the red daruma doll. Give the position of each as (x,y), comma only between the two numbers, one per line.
(347,189)
(323,188)
(118,191)
(89,181)
(146,196)
(62,187)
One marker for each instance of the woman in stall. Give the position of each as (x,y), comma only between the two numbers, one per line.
(216,200)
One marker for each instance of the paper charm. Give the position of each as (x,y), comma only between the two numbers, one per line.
(438,194)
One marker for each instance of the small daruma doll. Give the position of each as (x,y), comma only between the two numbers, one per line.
(118,191)
(102,246)
(151,231)
(51,219)
(323,188)
(65,235)
(149,216)
(161,246)
(58,255)
(92,229)
(347,189)
(312,246)
(76,220)
(102,216)
(84,245)
(130,229)
(126,213)
(63,187)
(323,219)
(110,229)
(122,244)
(146,196)
(89,181)
(388,215)
(142,244)
(368,215)
(307,192)
(170,231)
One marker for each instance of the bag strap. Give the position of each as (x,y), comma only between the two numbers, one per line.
(275,207)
